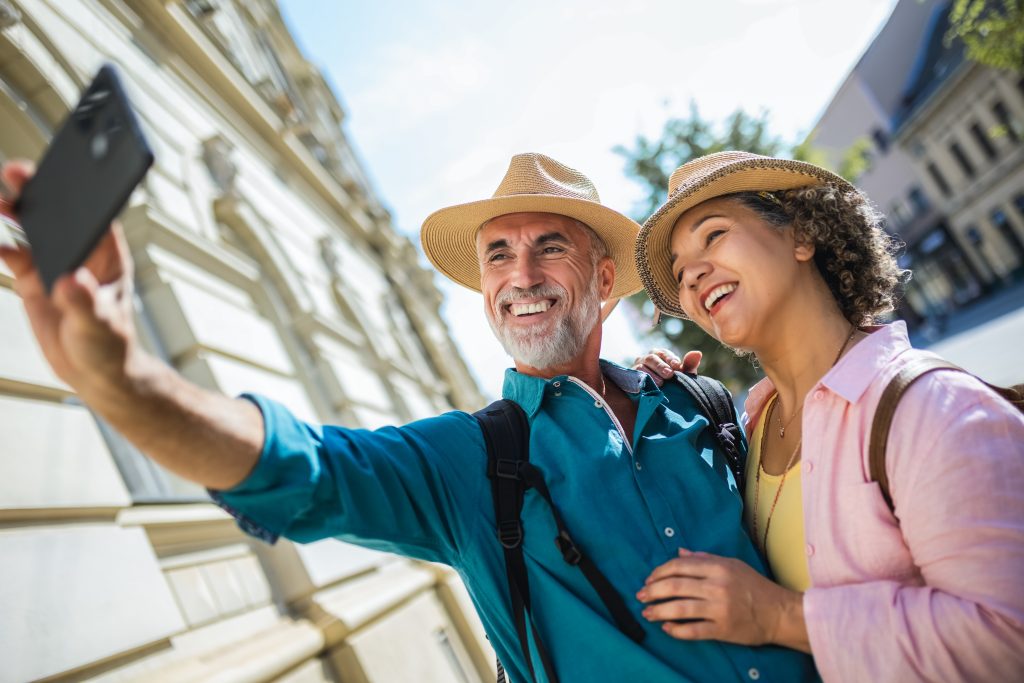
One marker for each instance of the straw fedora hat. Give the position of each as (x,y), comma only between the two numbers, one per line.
(702,179)
(533,182)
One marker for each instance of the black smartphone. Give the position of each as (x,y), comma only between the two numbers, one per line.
(91,167)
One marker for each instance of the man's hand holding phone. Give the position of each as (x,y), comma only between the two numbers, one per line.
(86,330)
(85,327)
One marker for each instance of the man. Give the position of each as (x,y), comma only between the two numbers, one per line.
(633,471)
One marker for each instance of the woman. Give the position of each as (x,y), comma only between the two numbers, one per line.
(789,262)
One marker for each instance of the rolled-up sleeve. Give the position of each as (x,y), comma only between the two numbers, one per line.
(957,473)
(412,490)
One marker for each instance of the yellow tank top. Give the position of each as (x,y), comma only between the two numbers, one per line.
(785,554)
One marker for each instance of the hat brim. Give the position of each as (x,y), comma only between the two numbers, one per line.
(448,236)
(653,245)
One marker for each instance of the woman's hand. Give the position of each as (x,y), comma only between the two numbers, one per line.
(720,598)
(661,364)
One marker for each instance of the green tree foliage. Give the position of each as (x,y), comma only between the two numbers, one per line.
(857,159)
(650,162)
(992,31)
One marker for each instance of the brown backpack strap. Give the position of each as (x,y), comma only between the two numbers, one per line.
(882,422)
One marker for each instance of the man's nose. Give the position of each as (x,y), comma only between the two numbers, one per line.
(527,273)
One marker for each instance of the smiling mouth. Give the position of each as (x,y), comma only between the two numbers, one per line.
(713,302)
(522,310)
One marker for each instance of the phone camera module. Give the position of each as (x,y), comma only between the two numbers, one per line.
(99,145)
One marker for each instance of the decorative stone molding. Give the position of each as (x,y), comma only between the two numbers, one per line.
(217,153)
(9,14)
(329,255)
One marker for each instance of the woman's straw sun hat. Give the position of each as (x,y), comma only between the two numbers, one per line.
(533,182)
(702,179)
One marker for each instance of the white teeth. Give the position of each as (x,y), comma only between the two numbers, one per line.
(717,293)
(526,309)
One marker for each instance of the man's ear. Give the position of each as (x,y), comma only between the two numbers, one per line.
(605,277)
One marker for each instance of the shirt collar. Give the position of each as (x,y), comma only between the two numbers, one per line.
(854,372)
(528,391)
(862,364)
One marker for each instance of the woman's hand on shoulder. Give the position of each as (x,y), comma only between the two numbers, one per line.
(661,364)
(700,596)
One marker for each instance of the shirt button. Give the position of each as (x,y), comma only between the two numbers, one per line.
(556,384)
(810,550)
(598,404)
(670,532)
(754,674)
(639,466)
(819,394)
(808,466)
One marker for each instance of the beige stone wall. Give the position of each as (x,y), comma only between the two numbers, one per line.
(971,97)
(265,262)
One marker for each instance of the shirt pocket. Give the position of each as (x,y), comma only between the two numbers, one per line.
(868,537)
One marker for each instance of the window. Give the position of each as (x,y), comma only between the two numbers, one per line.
(965,164)
(1002,223)
(981,137)
(1007,124)
(881,140)
(974,235)
(918,200)
(899,214)
(940,180)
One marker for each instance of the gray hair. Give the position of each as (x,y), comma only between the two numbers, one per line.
(598,249)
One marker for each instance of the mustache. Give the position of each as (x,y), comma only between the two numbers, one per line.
(514,294)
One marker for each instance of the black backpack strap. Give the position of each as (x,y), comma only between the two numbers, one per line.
(574,555)
(715,403)
(507,437)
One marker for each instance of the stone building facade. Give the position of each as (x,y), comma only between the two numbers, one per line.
(265,263)
(940,141)
(963,125)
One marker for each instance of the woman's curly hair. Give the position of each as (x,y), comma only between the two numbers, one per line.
(854,255)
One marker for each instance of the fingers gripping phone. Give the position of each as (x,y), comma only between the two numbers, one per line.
(86,176)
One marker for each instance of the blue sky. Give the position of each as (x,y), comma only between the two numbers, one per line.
(440,94)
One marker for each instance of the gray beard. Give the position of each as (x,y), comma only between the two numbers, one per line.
(558,341)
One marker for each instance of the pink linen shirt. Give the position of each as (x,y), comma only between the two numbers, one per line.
(939,594)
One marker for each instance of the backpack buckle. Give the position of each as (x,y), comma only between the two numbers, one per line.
(507,469)
(570,553)
(510,534)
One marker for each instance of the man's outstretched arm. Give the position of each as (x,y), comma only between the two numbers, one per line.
(85,328)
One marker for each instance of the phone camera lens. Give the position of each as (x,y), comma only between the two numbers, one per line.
(99,145)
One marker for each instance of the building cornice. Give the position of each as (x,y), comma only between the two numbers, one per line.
(187,40)
(924,110)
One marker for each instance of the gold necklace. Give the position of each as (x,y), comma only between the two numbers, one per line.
(789,463)
(778,491)
(778,418)
(783,428)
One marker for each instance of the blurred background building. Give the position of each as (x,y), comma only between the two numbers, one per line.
(265,262)
(935,139)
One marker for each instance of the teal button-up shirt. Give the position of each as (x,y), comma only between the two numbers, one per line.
(421,490)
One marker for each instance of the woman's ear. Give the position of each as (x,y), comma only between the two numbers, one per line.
(803,251)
